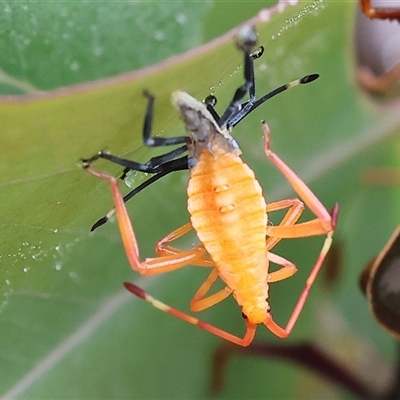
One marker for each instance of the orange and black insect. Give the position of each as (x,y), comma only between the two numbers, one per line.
(227,210)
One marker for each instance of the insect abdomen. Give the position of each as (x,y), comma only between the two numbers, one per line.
(228,213)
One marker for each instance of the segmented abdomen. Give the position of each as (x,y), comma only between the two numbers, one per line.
(228,212)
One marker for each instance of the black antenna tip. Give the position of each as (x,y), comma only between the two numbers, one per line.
(309,78)
(100,222)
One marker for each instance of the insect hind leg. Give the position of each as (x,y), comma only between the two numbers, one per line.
(244,341)
(324,223)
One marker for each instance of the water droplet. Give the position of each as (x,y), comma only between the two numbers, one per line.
(74,66)
(55,230)
(159,35)
(26,269)
(98,51)
(181,18)
(58,266)
(8,282)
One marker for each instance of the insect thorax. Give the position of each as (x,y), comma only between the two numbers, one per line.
(204,131)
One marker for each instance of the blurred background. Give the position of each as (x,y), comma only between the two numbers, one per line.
(68,328)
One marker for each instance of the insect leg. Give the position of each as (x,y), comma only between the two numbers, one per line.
(296,208)
(147,127)
(288,268)
(325,221)
(244,341)
(150,266)
(160,165)
(164,169)
(163,249)
(148,141)
(210,101)
(245,41)
(199,302)
(285,332)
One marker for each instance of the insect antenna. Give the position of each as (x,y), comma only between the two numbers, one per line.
(166,168)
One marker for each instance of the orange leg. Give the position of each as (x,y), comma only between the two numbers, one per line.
(296,208)
(150,266)
(176,259)
(244,341)
(285,332)
(325,223)
(162,249)
(288,268)
(199,302)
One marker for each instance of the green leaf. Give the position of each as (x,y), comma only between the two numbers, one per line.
(68,328)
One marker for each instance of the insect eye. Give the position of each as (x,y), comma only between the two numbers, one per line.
(268,309)
(244,315)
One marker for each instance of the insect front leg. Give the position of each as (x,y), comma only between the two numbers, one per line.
(246,40)
(160,165)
